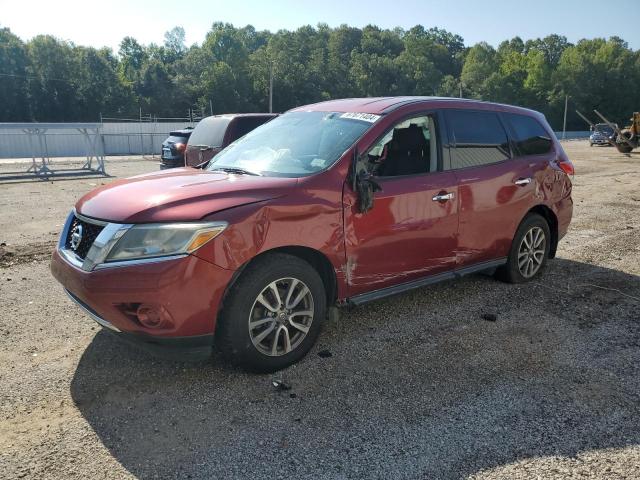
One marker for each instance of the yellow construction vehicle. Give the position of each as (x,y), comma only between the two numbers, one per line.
(629,137)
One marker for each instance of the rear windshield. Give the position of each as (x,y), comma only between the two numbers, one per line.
(176,139)
(210,131)
(179,133)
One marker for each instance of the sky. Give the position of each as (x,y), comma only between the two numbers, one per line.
(106,22)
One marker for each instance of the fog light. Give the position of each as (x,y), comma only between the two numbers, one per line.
(153,316)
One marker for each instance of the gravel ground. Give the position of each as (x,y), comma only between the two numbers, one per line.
(415,386)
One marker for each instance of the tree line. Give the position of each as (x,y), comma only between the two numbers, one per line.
(48,79)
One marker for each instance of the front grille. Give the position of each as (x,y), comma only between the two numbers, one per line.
(90,232)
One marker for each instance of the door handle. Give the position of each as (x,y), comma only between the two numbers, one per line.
(442,197)
(522,182)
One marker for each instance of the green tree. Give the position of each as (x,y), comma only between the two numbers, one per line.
(14,61)
(132,58)
(598,74)
(174,43)
(99,89)
(480,63)
(551,46)
(53,80)
(343,41)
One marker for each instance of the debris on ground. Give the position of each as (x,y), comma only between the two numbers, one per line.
(280,385)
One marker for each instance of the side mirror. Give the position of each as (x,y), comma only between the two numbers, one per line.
(366,186)
(363,183)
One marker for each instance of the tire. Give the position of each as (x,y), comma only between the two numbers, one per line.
(621,145)
(512,272)
(591,144)
(623,148)
(253,299)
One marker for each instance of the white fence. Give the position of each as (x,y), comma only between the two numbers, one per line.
(573,135)
(119,138)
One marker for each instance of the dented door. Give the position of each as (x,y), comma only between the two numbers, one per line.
(406,235)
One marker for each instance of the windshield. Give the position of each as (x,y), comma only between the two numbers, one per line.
(210,131)
(295,144)
(604,128)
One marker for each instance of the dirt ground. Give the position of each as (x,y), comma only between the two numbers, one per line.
(416,386)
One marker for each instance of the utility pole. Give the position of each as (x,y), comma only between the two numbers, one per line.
(460,89)
(211,106)
(271,88)
(141,136)
(564,123)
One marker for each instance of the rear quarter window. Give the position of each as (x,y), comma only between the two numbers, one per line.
(210,131)
(529,136)
(478,137)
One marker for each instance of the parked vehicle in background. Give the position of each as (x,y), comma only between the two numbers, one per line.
(212,134)
(602,134)
(173,148)
(339,202)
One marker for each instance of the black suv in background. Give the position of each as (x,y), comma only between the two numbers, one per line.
(212,134)
(173,148)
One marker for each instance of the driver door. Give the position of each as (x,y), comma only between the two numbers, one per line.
(411,230)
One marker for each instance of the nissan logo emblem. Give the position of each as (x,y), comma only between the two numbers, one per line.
(76,237)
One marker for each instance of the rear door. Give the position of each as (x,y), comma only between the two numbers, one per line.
(492,185)
(534,146)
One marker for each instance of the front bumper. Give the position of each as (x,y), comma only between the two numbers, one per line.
(179,348)
(166,163)
(188,290)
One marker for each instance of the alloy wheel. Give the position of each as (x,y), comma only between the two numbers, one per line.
(281,316)
(531,252)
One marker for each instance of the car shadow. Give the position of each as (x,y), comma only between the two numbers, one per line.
(444,381)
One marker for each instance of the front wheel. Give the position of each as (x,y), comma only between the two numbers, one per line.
(273,314)
(529,251)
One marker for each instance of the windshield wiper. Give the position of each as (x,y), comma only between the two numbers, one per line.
(238,170)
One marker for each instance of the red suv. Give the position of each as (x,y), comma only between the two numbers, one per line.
(340,202)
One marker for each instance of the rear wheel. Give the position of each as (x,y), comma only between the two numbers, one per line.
(624,147)
(273,314)
(529,251)
(621,144)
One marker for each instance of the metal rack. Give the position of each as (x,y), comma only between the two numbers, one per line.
(37,135)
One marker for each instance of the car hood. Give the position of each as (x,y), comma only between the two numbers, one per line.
(182,194)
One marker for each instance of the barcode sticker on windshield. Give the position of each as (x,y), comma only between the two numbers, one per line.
(366,117)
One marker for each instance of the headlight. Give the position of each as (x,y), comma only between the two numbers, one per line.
(162,239)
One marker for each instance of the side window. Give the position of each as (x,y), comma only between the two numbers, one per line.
(479,138)
(409,148)
(530,137)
